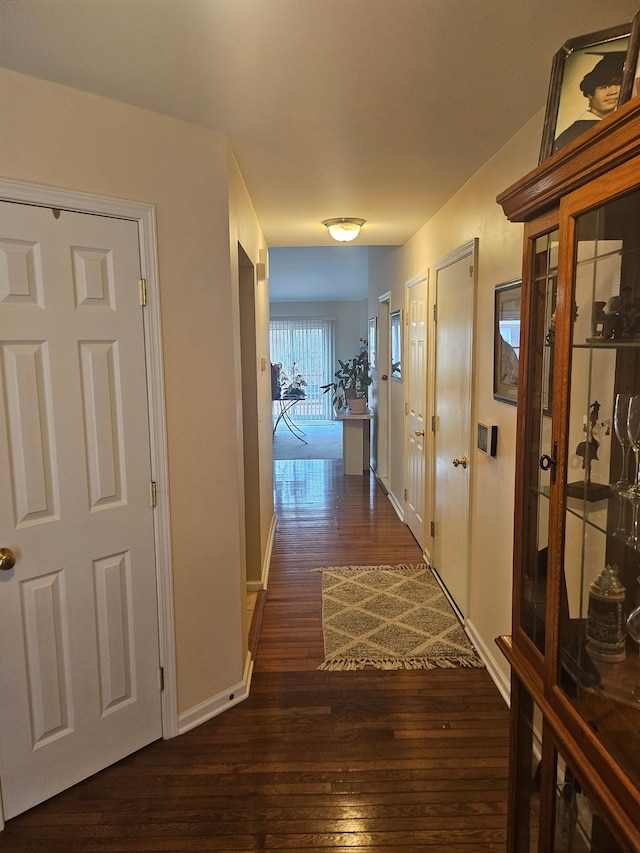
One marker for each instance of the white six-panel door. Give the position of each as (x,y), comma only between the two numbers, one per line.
(78,626)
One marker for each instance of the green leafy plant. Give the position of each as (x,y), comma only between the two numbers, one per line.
(352,379)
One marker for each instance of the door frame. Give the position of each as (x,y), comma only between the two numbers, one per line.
(144,215)
(420,278)
(383,368)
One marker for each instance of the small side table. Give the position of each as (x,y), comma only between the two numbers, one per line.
(355,442)
(286,405)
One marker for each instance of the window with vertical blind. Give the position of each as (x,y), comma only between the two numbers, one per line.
(306,347)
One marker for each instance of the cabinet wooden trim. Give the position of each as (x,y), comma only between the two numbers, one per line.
(596,152)
(570,742)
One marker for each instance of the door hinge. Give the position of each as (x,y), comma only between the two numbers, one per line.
(143,291)
(406,494)
(433,423)
(435,313)
(471,271)
(161,677)
(433,528)
(154,493)
(406,408)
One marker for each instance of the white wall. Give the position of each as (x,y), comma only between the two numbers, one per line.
(473,212)
(54,135)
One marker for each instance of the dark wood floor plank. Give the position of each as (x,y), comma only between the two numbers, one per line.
(348,762)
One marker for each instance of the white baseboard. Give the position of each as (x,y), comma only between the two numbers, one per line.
(397,506)
(256,586)
(447,595)
(217,704)
(490,661)
(383,482)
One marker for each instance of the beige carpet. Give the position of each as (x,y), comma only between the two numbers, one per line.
(323,441)
(390,617)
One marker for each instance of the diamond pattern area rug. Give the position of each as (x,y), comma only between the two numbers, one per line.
(390,617)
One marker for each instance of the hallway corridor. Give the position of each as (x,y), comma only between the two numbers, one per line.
(312,761)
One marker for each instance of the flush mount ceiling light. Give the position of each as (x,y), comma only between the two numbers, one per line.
(344,229)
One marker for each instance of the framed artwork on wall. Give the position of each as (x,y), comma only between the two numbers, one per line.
(396,344)
(373,339)
(591,76)
(506,341)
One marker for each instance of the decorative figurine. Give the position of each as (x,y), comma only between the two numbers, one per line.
(588,450)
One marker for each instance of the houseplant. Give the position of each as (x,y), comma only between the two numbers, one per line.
(351,382)
(289,388)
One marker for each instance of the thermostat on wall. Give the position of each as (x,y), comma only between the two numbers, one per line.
(488,439)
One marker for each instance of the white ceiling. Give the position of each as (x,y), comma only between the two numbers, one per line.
(379,109)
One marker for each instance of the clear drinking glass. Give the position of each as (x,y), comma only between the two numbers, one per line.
(621,529)
(633,431)
(620,413)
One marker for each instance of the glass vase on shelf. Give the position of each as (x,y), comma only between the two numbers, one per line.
(633,430)
(633,629)
(620,414)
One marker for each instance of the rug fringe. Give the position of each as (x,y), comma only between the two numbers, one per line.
(400,567)
(353,664)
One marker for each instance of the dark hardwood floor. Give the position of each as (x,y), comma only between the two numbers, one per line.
(311,761)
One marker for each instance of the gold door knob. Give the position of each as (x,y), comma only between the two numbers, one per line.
(7,560)
(419,432)
(464,462)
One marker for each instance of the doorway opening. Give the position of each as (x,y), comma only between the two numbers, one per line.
(302,356)
(304,349)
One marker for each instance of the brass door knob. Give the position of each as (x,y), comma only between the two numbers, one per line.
(7,560)
(419,432)
(464,462)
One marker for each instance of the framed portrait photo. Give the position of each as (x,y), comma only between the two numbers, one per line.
(506,346)
(591,76)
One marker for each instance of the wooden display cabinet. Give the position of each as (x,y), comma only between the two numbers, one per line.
(575,710)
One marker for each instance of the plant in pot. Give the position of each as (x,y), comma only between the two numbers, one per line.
(350,387)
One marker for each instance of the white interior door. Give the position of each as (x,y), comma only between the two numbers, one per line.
(455,289)
(79,659)
(416,399)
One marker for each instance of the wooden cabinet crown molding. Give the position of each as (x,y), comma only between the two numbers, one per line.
(597,151)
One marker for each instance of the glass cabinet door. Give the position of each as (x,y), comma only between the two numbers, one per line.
(577,825)
(539,451)
(598,660)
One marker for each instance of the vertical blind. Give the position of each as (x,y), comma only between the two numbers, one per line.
(306,347)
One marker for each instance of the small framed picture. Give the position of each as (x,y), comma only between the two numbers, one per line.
(506,347)
(396,344)
(373,340)
(591,76)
